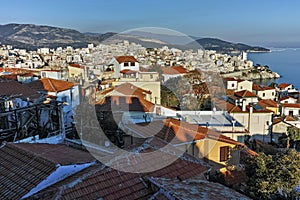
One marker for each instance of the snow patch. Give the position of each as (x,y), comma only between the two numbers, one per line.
(59,174)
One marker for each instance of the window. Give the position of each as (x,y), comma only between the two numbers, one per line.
(224,153)
(126,64)
(273,93)
(132,64)
(241,87)
(151,76)
(232,85)
(264,94)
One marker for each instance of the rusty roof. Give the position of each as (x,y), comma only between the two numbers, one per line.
(50,85)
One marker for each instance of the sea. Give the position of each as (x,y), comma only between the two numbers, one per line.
(285,62)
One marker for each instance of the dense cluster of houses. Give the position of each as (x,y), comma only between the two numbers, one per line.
(38,105)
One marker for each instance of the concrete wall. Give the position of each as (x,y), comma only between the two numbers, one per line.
(257,122)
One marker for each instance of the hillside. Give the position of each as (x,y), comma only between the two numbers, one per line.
(30,36)
(226,47)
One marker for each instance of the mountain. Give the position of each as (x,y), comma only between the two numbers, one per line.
(224,46)
(30,36)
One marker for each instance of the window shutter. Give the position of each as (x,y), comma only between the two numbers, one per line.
(224,153)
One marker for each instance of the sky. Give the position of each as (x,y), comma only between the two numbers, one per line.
(258,22)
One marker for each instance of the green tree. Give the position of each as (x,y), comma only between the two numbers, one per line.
(274,177)
(293,134)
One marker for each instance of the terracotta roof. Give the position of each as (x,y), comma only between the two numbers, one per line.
(231,108)
(125,103)
(194,189)
(283,85)
(14,88)
(259,88)
(230,79)
(244,93)
(291,105)
(268,103)
(289,118)
(229,92)
(122,59)
(59,153)
(285,98)
(99,181)
(76,66)
(174,70)
(185,132)
(9,77)
(127,71)
(24,166)
(50,85)
(130,89)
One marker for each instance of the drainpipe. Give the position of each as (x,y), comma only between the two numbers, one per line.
(249,118)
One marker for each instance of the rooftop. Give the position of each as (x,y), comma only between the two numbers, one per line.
(14,88)
(24,166)
(123,59)
(98,181)
(194,189)
(245,94)
(50,85)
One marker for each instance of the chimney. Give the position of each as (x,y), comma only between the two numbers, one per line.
(251,109)
(244,105)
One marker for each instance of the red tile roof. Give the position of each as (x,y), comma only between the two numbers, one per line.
(99,181)
(125,103)
(291,105)
(285,98)
(283,85)
(174,70)
(14,88)
(127,71)
(128,89)
(244,94)
(231,108)
(50,85)
(268,103)
(122,59)
(185,132)
(76,66)
(230,79)
(289,118)
(24,166)
(259,88)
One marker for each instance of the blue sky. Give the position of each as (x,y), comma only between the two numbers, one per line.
(253,22)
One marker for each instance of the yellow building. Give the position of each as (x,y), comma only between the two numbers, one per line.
(198,141)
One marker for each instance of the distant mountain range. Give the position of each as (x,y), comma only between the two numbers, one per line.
(30,36)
